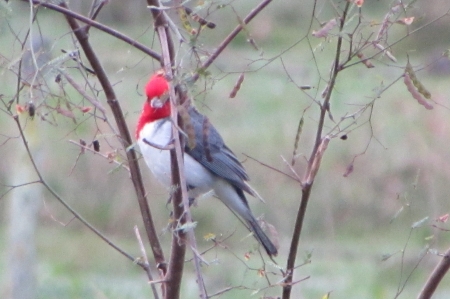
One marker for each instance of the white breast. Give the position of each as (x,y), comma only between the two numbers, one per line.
(160,133)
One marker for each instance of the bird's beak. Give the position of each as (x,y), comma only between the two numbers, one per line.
(156,103)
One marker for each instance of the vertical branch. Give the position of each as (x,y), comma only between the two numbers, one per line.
(436,277)
(313,164)
(124,137)
(182,213)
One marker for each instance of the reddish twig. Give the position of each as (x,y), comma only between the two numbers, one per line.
(436,277)
(124,137)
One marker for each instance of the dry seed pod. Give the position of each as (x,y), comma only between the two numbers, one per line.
(297,139)
(199,19)
(420,87)
(237,86)
(415,93)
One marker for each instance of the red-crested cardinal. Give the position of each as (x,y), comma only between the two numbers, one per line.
(210,166)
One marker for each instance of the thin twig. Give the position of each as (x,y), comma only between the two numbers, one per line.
(312,163)
(144,256)
(230,37)
(63,202)
(69,13)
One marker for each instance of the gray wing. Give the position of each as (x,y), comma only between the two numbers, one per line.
(213,154)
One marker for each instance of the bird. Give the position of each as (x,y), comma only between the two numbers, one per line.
(208,163)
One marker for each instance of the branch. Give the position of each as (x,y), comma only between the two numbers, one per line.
(436,277)
(62,8)
(180,201)
(313,163)
(66,205)
(124,137)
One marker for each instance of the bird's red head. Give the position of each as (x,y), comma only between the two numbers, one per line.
(157,105)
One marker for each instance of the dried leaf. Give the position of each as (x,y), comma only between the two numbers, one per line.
(20,109)
(247,256)
(406,21)
(443,218)
(323,32)
(66,113)
(209,237)
(349,170)
(85,109)
(359,3)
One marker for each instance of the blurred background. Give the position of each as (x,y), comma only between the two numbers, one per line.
(358,230)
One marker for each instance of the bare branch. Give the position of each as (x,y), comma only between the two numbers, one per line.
(63,202)
(436,277)
(144,256)
(125,136)
(69,13)
(230,37)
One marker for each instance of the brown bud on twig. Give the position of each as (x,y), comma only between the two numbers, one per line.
(83,146)
(364,60)
(31,109)
(237,86)
(96,145)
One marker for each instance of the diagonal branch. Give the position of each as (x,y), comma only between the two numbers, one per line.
(230,37)
(91,23)
(124,137)
(436,277)
(65,204)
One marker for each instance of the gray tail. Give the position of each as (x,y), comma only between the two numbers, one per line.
(262,237)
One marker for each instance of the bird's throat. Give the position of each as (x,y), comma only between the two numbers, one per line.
(150,114)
